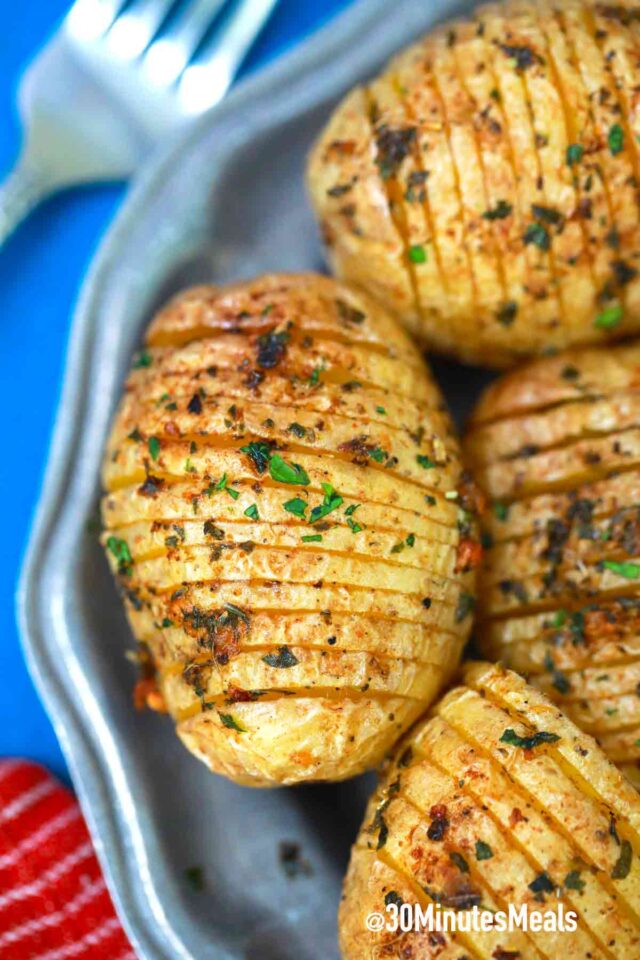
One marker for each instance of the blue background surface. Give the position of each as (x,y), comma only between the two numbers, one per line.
(41,270)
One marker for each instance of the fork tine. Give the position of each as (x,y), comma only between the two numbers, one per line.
(89,19)
(168,56)
(204,83)
(134,29)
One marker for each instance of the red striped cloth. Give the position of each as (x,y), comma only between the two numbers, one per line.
(54,904)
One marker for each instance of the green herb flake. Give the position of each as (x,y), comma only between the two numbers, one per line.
(381,411)
(411,539)
(135,436)
(538,235)
(154,447)
(353,526)
(572,881)
(332,501)
(312,538)
(120,550)
(501,210)
(501,511)
(425,462)
(259,453)
(417,254)
(542,884)
(252,512)
(528,743)
(144,359)
(230,722)
(483,850)
(610,318)
(626,569)
(297,507)
(616,139)
(281,660)
(284,472)
(575,153)
(622,866)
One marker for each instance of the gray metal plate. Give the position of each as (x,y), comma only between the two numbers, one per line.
(227,202)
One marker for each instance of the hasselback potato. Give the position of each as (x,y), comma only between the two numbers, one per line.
(287,517)
(556,447)
(485,186)
(497,800)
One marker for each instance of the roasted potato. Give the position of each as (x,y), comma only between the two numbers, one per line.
(497,800)
(556,447)
(286,515)
(485,187)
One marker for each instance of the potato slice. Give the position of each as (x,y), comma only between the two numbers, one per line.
(294,536)
(362,240)
(341,363)
(178,502)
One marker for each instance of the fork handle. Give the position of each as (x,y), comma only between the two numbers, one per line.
(22,190)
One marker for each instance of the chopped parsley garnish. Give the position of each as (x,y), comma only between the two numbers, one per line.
(528,743)
(120,550)
(483,850)
(546,214)
(609,318)
(538,235)
(230,722)
(332,500)
(417,254)
(259,453)
(628,570)
(223,484)
(144,359)
(297,430)
(154,447)
(378,454)
(353,526)
(542,884)
(297,507)
(572,881)
(425,462)
(281,660)
(575,153)
(349,512)
(616,139)
(501,210)
(501,510)
(313,538)
(393,897)
(381,410)
(314,379)
(284,472)
(252,512)
(622,865)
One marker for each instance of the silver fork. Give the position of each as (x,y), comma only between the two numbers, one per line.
(111,85)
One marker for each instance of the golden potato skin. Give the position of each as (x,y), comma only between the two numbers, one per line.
(287,517)
(497,799)
(556,448)
(485,186)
